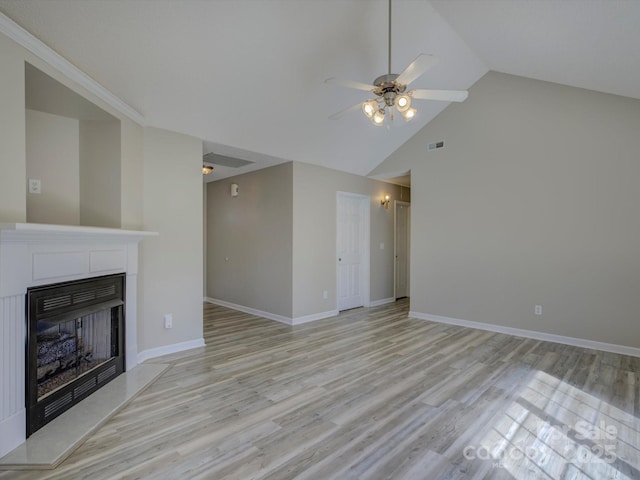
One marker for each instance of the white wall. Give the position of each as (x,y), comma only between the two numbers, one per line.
(171,264)
(533,200)
(52,153)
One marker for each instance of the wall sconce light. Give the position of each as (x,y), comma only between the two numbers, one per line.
(385,201)
(207,169)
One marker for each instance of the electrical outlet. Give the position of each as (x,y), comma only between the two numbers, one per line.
(168,321)
(35,186)
(325,294)
(538,310)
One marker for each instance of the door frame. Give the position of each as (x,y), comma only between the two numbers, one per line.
(397,203)
(365,244)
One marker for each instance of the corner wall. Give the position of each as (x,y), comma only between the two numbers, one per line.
(53,157)
(131,174)
(171,263)
(249,240)
(100,173)
(272,249)
(13,181)
(533,201)
(314,236)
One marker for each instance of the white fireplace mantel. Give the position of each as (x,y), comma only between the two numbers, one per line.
(34,254)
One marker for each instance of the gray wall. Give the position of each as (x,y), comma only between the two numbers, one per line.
(279,235)
(79,165)
(131,174)
(254,232)
(171,263)
(53,158)
(314,235)
(13,181)
(100,173)
(533,200)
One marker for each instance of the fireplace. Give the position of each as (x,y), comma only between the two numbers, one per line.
(33,256)
(75,344)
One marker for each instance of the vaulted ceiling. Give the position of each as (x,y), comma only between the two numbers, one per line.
(246,76)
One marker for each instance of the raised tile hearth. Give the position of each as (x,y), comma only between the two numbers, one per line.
(49,446)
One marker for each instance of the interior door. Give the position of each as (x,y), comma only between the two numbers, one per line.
(402,223)
(352,254)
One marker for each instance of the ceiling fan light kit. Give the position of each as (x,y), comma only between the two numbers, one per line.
(403,103)
(370,107)
(378,118)
(391,90)
(409,114)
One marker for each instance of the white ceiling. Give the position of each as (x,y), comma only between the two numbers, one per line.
(592,44)
(246,76)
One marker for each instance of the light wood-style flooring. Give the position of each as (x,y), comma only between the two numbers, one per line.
(371,394)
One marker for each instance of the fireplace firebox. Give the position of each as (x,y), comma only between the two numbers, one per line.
(75,344)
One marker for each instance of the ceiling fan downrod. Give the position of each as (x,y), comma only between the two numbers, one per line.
(386,86)
(389,72)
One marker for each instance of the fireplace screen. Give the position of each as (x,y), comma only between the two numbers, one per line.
(67,350)
(75,336)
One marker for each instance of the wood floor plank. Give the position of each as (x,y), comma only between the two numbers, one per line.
(370,394)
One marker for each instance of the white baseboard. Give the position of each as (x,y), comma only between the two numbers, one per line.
(252,311)
(519,332)
(13,432)
(313,317)
(382,301)
(272,316)
(167,349)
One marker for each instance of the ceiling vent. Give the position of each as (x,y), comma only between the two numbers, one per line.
(435,145)
(225,161)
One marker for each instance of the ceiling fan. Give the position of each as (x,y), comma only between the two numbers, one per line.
(391,93)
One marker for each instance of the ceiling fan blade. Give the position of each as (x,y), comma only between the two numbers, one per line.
(339,114)
(441,95)
(350,84)
(416,68)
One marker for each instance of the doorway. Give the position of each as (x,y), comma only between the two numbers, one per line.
(402,248)
(352,250)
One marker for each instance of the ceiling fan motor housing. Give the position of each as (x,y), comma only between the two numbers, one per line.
(388,88)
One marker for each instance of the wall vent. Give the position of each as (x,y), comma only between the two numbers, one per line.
(435,145)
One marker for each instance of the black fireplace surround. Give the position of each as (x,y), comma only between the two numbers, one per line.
(75,343)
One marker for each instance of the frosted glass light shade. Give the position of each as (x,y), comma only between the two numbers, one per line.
(403,103)
(369,108)
(378,118)
(409,114)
